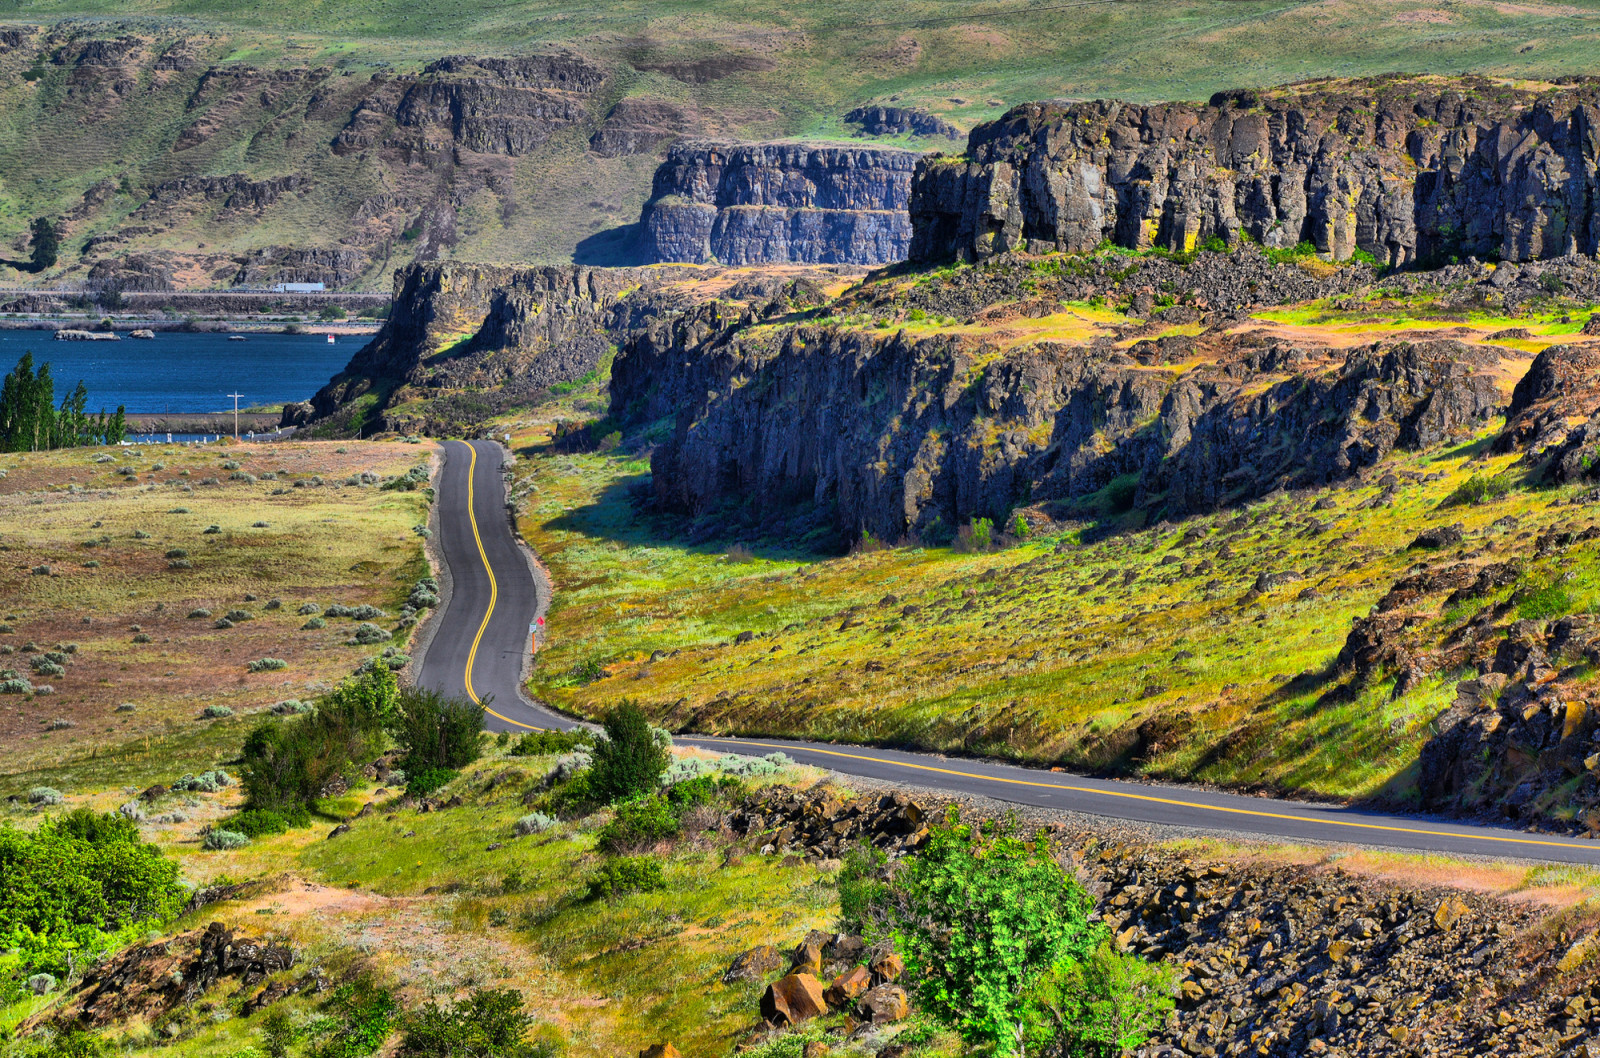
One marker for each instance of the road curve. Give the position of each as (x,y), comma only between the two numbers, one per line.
(483,636)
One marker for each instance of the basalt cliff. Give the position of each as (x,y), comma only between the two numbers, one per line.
(1408,170)
(780,203)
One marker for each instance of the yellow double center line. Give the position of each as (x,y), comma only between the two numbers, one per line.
(494,589)
(494,594)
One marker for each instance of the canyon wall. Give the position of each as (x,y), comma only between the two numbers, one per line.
(1409,170)
(898,435)
(780,203)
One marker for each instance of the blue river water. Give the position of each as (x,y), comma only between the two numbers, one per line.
(186,373)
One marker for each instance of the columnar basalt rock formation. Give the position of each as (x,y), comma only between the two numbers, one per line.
(1407,169)
(776,203)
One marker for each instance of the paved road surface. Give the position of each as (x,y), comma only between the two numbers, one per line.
(483,638)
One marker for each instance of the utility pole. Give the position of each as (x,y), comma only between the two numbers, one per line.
(235,397)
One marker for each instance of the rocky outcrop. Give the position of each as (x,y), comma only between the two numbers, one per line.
(900,121)
(1274,958)
(639,125)
(158,982)
(776,203)
(898,435)
(1406,169)
(503,333)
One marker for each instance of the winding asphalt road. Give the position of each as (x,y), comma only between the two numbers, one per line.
(484,637)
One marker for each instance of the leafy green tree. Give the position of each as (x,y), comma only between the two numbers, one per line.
(981,914)
(982,534)
(1099,1007)
(629,760)
(46,245)
(30,423)
(77,886)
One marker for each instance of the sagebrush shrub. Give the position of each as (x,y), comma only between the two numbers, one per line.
(267,665)
(219,840)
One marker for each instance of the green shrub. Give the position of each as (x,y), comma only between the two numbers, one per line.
(981,915)
(278,1032)
(259,822)
(626,874)
(700,790)
(1105,1005)
(79,886)
(532,823)
(313,624)
(1478,489)
(288,764)
(45,795)
(629,760)
(425,780)
(363,1014)
(237,616)
(436,731)
(489,1022)
(638,824)
(549,743)
(267,665)
(72,1042)
(368,633)
(216,712)
(861,887)
(199,613)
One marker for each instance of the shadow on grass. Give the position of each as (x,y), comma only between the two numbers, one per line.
(624,512)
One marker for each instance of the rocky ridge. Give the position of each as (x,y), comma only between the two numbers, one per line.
(1409,170)
(1273,959)
(898,434)
(777,203)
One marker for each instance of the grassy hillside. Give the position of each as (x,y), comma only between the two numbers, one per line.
(1098,643)
(126,119)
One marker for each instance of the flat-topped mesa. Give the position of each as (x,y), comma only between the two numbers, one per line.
(780,203)
(1410,170)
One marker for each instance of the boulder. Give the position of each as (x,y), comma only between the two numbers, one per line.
(847,987)
(882,1005)
(887,967)
(1437,537)
(660,1050)
(793,999)
(754,965)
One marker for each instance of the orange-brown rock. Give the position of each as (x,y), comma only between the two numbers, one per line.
(793,999)
(847,986)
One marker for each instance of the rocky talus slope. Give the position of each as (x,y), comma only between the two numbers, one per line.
(778,203)
(1406,169)
(1273,959)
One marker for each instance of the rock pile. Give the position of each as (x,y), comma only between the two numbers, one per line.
(1273,959)
(162,982)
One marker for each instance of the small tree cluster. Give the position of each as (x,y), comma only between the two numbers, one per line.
(30,422)
(289,764)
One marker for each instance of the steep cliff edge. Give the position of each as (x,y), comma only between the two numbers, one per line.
(898,436)
(504,333)
(777,203)
(1406,169)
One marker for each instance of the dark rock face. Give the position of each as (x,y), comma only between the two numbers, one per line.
(509,332)
(898,435)
(900,121)
(776,203)
(1561,388)
(490,105)
(639,125)
(1405,169)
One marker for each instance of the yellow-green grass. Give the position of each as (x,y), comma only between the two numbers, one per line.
(333,543)
(421,899)
(1175,674)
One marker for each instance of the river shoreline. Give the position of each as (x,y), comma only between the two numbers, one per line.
(122,325)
